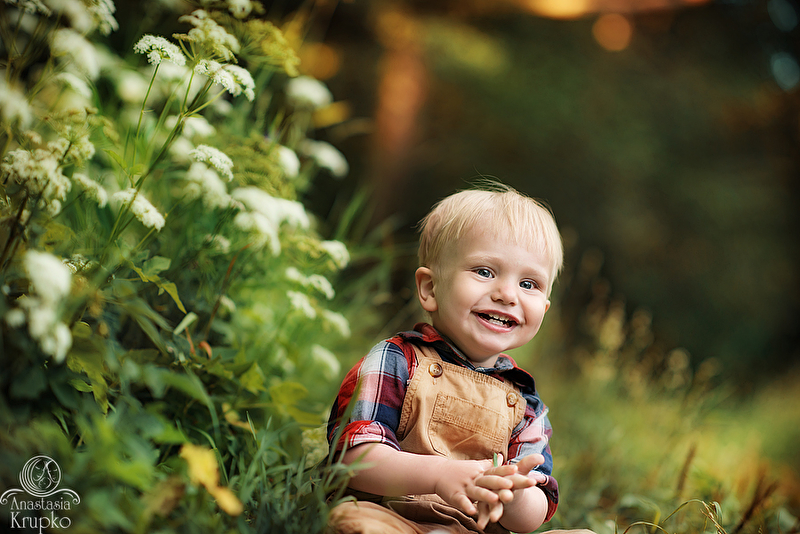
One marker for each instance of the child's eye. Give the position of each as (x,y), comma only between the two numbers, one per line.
(485,273)
(528,284)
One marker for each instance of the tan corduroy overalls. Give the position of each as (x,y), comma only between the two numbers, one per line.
(448,411)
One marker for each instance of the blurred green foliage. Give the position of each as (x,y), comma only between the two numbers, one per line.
(676,157)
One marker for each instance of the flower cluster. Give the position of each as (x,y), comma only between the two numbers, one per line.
(205,183)
(305,91)
(234,79)
(159,49)
(141,208)
(39,173)
(14,107)
(73,48)
(316,281)
(50,281)
(325,156)
(209,35)
(92,189)
(214,157)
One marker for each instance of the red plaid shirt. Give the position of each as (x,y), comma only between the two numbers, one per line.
(383,376)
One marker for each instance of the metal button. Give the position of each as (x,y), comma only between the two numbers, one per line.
(435,370)
(511,399)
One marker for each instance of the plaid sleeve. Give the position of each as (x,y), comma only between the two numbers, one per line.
(371,399)
(531,436)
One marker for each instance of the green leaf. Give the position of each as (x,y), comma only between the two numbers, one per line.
(253,379)
(287,395)
(80,385)
(172,291)
(87,356)
(148,320)
(155,265)
(190,318)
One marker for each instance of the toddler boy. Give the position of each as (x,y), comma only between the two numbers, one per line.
(430,409)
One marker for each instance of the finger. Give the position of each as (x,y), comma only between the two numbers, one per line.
(521,481)
(505,495)
(477,493)
(529,462)
(483,515)
(463,503)
(495,512)
(495,482)
(503,470)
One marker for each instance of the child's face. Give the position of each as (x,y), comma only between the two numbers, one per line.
(487,294)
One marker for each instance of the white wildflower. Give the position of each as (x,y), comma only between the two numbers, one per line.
(226,303)
(325,156)
(131,86)
(194,126)
(158,49)
(103,13)
(50,278)
(75,12)
(142,209)
(75,83)
(86,16)
(240,8)
(301,302)
(14,107)
(288,161)
(264,231)
(42,317)
(57,341)
(322,284)
(222,107)
(338,322)
(77,148)
(326,360)
(39,172)
(206,184)
(210,35)
(31,6)
(235,80)
(214,70)
(15,318)
(181,150)
(75,49)
(93,190)
(338,252)
(243,79)
(316,281)
(305,91)
(218,243)
(277,210)
(216,158)
(294,274)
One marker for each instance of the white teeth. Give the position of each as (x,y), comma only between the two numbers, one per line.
(498,319)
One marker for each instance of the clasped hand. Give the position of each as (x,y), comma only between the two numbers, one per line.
(476,487)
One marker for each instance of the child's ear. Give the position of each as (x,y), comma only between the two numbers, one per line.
(547,305)
(424,278)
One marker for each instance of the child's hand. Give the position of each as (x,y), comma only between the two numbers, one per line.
(456,484)
(506,481)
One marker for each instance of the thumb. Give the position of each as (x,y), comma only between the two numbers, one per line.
(529,462)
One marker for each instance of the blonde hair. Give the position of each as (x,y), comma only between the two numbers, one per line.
(495,207)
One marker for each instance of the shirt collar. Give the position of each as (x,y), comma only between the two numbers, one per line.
(505,365)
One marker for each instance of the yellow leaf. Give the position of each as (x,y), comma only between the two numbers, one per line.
(227,500)
(202,464)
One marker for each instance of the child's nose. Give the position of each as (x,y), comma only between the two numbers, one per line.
(505,292)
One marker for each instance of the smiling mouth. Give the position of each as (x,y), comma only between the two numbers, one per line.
(497,319)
